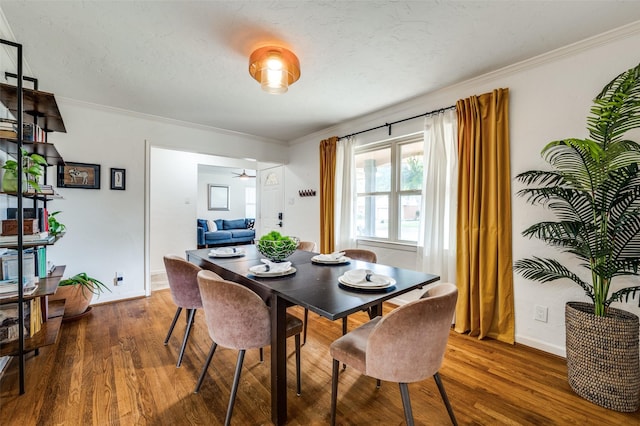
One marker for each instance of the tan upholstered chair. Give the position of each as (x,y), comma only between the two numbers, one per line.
(355,254)
(307,246)
(405,346)
(361,254)
(237,318)
(183,283)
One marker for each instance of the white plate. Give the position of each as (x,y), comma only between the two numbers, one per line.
(258,271)
(343,259)
(367,284)
(239,252)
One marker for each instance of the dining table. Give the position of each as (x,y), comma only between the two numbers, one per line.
(314,286)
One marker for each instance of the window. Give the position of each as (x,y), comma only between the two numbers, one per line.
(250,202)
(389,189)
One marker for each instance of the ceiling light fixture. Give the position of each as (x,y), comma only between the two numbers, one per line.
(275,68)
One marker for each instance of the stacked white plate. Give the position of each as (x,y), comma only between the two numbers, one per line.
(227,252)
(331,259)
(365,279)
(272,269)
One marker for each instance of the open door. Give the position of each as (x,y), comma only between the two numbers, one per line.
(271,201)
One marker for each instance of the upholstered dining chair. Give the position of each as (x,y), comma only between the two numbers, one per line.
(183,283)
(405,346)
(307,246)
(237,318)
(355,254)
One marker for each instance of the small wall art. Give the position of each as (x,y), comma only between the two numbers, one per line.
(79,175)
(118,179)
(218,197)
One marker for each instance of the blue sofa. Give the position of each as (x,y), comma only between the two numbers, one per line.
(229,232)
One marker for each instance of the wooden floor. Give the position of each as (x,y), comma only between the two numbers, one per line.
(111,368)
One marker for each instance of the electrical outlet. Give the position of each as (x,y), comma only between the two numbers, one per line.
(541,313)
(119,279)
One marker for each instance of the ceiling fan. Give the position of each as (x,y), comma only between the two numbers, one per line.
(243,175)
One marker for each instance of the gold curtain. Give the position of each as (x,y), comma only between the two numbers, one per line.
(484,256)
(327,193)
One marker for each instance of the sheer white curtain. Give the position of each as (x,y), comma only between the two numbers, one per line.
(437,238)
(345,193)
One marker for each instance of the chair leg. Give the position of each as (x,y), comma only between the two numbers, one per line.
(344,331)
(173,324)
(377,383)
(443,394)
(334,390)
(191,313)
(261,355)
(406,403)
(214,345)
(234,388)
(298,386)
(304,326)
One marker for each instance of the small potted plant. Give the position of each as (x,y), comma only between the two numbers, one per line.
(32,166)
(55,228)
(78,291)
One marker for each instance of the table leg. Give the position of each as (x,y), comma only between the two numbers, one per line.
(375,311)
(278,360)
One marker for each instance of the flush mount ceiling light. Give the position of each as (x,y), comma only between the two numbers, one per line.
(275,68)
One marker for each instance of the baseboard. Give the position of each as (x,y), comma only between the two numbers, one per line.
(543,346)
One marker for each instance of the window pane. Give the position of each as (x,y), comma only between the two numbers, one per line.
(372,216)
(410,217)
(411,166)
(250,202)
(373,171)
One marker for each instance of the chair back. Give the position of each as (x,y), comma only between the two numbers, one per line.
(408,344)
(307,246)
(183,282)
(237,318)
(361,254)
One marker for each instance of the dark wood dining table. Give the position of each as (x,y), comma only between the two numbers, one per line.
(313,286)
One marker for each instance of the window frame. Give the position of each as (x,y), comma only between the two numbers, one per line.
(395,193)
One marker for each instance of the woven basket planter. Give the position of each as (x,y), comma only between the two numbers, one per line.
(603,363)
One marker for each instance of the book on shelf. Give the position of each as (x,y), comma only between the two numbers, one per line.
(9,265)
(8,134)
(40,237)
(9,288)
(10,323)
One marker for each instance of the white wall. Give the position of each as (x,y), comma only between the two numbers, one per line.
(106,229)
(237,188)
(550,99)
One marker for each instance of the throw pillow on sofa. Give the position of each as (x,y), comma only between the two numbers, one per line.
(202,223)
(212,226)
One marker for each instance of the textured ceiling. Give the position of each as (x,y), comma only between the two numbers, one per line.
(188,60)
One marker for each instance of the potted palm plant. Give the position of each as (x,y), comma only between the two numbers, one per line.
(593,189)
(78,291)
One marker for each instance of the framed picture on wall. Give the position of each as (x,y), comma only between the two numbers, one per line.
(79,175)
(118,179)
(218,197)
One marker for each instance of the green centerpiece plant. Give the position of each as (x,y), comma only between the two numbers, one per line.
(593,189)
(276,247)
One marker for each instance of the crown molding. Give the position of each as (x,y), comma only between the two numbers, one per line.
(421,101)
(165,120)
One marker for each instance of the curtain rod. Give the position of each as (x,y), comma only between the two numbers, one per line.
(435,111)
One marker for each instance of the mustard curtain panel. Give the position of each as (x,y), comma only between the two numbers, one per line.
(327,193)
(484,256)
